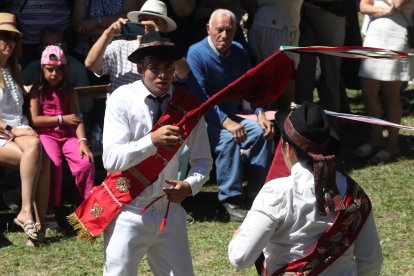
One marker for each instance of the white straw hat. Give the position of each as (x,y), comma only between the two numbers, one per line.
(8,23)
(155,8)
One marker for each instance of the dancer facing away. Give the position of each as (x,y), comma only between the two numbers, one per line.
(315,221)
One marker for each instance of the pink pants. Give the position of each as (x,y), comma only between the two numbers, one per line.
(81,168)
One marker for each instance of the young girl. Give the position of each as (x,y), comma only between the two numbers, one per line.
(55,115)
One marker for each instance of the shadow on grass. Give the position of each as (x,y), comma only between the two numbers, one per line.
(205,207)
(4,242)
(356,136)
(353,134)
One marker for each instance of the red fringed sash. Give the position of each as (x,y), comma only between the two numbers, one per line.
(120,188)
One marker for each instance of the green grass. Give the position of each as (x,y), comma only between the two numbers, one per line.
(390,187)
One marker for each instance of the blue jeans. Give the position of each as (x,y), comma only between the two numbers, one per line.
(228,161)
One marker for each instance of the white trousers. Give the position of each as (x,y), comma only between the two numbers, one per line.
(132,235)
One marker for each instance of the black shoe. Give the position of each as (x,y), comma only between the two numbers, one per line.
(12,199)
(236,213)
(189,219)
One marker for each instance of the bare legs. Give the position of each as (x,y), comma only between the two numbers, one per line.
(25,153)
(393,110)
(373,106)
(42,190)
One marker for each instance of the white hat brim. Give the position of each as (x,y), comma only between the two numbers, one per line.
(171,25)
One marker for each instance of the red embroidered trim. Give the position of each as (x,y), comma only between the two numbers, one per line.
(148,169)
(303,142)
(156,43)
(337,239)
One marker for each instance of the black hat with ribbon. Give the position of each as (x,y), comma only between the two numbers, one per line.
(156,44)
(307,129)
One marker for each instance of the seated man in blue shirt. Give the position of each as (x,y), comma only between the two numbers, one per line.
(215,62)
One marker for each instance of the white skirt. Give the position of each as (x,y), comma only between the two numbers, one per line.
(387,34)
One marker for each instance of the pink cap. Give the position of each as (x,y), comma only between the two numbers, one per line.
(53,55)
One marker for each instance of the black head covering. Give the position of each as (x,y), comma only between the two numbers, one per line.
(307,129)
(156,44)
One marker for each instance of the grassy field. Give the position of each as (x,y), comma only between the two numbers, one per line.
(390,187)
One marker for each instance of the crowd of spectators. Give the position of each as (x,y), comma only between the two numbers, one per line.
(96,50)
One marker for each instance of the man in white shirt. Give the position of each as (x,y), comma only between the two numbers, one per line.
(315,221)
(132,135)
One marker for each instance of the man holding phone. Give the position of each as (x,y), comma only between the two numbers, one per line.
(110,57)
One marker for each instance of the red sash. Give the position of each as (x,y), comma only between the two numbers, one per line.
(337,239)
(119,188)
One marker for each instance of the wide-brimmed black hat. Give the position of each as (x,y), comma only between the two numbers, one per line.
(156,44)
(307,128)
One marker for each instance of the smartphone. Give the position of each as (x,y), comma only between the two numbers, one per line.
(132,29)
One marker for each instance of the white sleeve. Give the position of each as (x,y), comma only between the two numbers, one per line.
(120,150)
(368,252)
(267,213)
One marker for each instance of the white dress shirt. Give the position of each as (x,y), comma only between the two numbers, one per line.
(127,141)
(284,223)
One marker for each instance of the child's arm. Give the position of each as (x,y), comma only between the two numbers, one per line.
(36,117)
(80,129)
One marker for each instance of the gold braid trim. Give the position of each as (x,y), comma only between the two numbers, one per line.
(82,232)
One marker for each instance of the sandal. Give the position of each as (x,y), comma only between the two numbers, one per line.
(365,150)
(382,156)
(31,242)
(41,236)
(28,227)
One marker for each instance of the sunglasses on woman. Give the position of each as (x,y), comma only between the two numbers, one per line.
(8,36)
